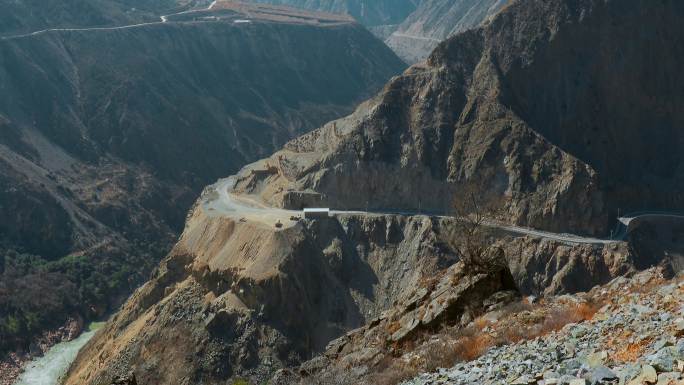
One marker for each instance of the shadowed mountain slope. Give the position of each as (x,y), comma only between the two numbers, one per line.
(106,137)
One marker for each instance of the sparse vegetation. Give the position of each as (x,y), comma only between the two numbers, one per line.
(517,321)
(471,236)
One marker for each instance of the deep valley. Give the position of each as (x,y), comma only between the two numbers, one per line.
(264,192)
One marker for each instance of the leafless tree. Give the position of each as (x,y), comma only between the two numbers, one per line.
(473,235)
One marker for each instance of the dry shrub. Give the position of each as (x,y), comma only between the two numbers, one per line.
(391,371)
(469,348)
(554,321)
(632,352)
(480,323)
(586,311)
(442,353)
(473,344)
(394,375)
(471,235)
(571,314)
(627,352)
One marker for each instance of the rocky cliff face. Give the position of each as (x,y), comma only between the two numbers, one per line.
(244,299)
(449,301)
(560,151)
(238,298)
(106,136)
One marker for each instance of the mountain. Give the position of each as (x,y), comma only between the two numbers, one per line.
(551,111)
(435,20)
(107,135)
(535,116)
(412,28)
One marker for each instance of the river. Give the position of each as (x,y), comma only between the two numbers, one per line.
(48,369)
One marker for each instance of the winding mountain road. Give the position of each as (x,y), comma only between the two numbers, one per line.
(224,203)
(163,19)
(629,218)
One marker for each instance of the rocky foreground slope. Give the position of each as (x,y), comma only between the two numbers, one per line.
(108,135)
(635,338)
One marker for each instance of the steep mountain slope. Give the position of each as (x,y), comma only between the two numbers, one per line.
(412,28)
(554,110)
(435,20)
(107,135)
(239,296)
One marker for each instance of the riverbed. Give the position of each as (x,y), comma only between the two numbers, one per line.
(48,369)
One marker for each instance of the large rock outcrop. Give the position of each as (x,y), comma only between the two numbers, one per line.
(552,107)
(239,298)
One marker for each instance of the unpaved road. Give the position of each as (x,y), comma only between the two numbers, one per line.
(163,19)
(223,202)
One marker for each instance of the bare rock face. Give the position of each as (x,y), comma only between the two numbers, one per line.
(449,297)
(544,267)
(453,298)
(242,299)
(561,150)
